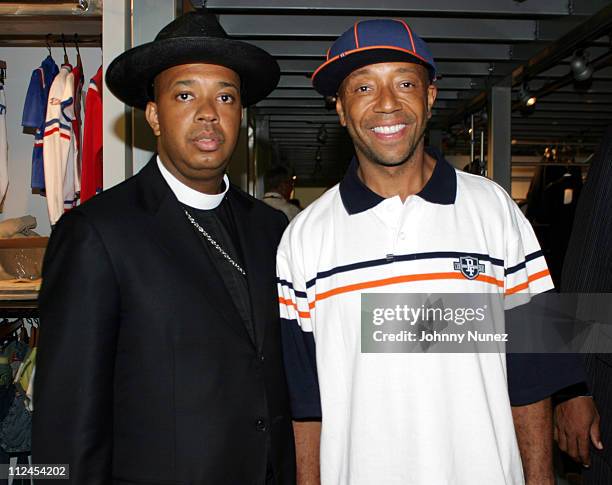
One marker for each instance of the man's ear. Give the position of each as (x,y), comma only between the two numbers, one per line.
(432,93)
(152,117)
(340,111)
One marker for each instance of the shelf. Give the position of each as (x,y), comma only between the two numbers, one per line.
(24,242)
(19,309)
(27,25)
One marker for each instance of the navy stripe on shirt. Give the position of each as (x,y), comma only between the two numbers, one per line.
(401,257)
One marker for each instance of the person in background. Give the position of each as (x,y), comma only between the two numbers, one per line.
(278,186)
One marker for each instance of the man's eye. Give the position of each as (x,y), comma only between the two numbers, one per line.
(363,89)
(226,98)
(407,84)
(184,97)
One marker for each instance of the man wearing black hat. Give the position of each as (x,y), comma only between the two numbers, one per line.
(160,358)
(404,221)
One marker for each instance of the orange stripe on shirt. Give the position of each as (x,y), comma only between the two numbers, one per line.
(531,279)
(287,302)
(402,279)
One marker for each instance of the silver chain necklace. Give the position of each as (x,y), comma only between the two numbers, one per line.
(214,243)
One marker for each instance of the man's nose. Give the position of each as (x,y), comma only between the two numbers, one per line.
(207,111)
(387,101)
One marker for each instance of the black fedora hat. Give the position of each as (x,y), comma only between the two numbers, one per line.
(191,38)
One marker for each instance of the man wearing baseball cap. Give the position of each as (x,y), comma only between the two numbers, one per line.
(403,220)
(160,357)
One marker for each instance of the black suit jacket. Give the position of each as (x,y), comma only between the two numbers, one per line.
(145,372)
(588,269)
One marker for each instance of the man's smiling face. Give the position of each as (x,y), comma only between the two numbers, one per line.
(385,108)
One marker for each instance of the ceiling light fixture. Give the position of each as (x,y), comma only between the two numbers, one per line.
(526,97)
(322,135)
(581,69)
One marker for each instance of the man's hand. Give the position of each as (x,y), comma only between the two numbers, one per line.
(577,423)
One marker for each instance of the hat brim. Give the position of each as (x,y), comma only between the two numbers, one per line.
(130,75)
(329,76)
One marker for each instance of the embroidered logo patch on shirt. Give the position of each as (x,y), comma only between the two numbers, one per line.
(469,266)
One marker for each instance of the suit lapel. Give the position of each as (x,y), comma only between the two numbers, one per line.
(181,243)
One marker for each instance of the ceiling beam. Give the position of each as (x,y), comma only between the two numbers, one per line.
(290,103)
(439,50)
(591,29)
(286,26)
(332,117)
(448,68)
(566,116)
(480,8)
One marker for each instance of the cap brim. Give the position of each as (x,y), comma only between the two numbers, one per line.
(130,75)
(329,76)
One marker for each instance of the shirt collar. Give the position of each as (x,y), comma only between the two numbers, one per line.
(441,188)
(190,197)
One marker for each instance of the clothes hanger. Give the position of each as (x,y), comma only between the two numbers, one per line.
(65,53)
(76,45)
(48,43)
(23,336)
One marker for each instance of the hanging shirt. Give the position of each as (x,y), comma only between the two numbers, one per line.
(59,147)
(77,73)
(34,115)
(3,146)
(91,175)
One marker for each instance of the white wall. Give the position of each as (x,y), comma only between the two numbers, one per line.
(521,175)
(307,195)
(20,63)
(149,17)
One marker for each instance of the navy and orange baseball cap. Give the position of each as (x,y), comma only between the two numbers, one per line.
(371,42)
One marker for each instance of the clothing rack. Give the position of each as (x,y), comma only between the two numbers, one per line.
(49,40)
(19,309)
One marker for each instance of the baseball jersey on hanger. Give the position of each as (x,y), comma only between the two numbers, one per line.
(77,73)
(59,151)
(91,177)
(34,115)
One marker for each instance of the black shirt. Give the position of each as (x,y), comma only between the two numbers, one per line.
(220,225)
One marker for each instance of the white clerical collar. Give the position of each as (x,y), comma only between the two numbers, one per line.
(190,197)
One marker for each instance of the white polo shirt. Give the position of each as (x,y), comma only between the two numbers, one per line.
(398,419)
